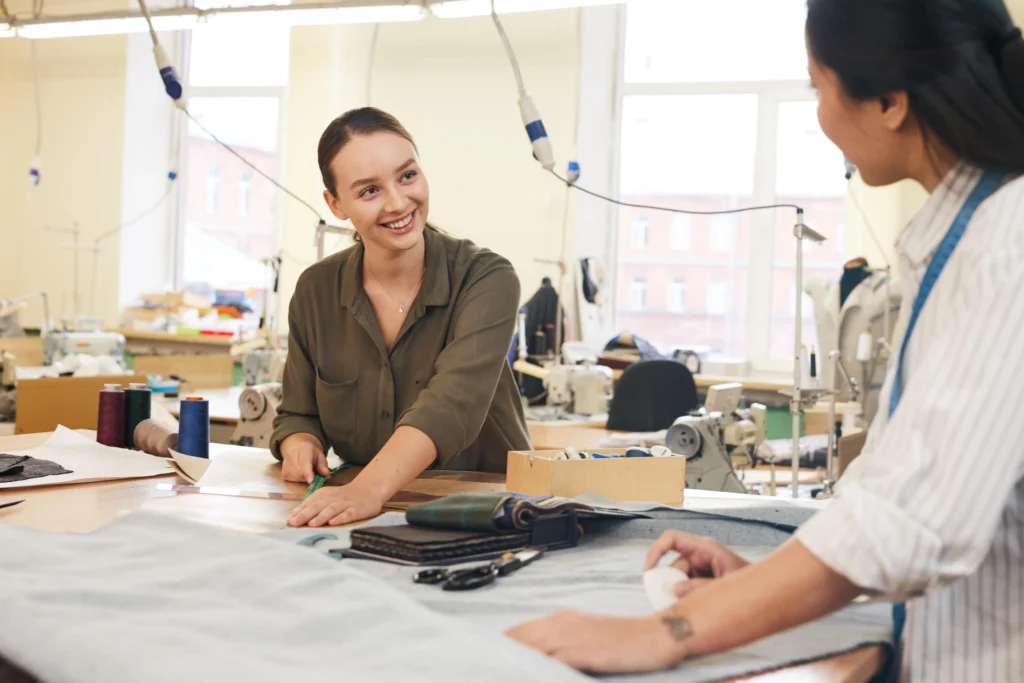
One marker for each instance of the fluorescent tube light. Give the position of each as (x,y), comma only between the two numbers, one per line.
(370,12)
(314,16)
(449,9)
(104,27)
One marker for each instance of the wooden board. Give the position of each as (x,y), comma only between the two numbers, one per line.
(27,350)
(201,372)
(70,401)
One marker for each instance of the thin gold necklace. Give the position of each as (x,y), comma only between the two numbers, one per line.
(401,305)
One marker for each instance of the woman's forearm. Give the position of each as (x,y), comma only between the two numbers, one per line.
(788,588)
(403,458)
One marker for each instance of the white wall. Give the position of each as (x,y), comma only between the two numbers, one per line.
(450,84)
(82,100)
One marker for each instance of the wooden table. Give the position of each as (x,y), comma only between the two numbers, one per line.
(85,507)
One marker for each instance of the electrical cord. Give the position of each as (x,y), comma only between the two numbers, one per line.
(867,224)
(508,49)
(369,66)
(253,166)
(745,209)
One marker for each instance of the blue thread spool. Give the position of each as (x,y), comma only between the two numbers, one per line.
(194,427)
(638,453)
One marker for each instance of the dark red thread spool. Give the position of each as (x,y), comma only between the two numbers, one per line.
(110,421)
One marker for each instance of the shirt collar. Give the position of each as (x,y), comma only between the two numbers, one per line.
(436,290)
(923,235)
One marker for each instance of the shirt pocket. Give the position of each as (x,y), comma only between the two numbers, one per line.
(336,404)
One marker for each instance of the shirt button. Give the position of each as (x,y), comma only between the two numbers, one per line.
(386,414)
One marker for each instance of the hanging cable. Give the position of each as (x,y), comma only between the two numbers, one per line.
(35,170)
(689,212)
(253,166)
(369,65)
(867,224)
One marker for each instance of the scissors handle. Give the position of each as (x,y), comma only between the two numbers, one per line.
(469,579)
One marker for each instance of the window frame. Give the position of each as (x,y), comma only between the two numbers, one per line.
(770,94)
(224,92)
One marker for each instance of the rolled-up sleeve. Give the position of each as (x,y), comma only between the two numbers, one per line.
(452,407)
(920,507)
(298,413)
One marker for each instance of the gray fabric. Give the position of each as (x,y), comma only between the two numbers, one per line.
(604,575)
(22,467)
(150,598)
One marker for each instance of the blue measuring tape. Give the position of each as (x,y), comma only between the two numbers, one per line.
(988,185)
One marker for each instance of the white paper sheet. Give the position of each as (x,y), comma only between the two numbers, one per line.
(88,461)
(190,467)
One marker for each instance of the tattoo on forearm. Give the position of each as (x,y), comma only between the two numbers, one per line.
(678,625)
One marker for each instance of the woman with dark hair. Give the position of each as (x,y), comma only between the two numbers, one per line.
(397,347)
(930,517)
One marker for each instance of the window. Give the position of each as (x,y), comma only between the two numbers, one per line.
(708,126)
(230,216)
(718,145)
(212,189)
(245,194)
(723,232)
(677,296)
(679,232)
(638,295)
(718,297)
(639,240)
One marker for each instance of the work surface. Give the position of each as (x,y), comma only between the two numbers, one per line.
(85,507)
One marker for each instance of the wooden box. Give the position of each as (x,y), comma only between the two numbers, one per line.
(652,480)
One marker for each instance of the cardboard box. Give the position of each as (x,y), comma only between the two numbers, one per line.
(74,402)
(653,480)
(201,372)
(28,351)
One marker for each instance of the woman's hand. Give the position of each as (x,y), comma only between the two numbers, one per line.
(301,456)
(702,559)
(607,645)
(335,505)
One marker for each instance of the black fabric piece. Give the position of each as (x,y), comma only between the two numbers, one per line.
(22,467)
(541,315)
(852,277)
(651,395)
(590,288)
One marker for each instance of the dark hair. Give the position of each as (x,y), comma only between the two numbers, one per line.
(354,122)
(960,61)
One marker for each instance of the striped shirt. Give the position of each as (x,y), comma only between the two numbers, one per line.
(932,512)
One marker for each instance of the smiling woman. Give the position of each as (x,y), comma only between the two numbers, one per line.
(397,346)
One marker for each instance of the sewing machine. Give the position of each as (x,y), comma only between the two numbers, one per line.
(579,389)
(263,366)
(258,408)
(57,345)
(718,439)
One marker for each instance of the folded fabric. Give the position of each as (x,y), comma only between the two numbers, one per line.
(22,467)
(499,512)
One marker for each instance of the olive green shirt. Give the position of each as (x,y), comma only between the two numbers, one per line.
(446,375)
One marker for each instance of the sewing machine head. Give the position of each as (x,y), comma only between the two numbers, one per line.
(258,408)
(716,442)
(579,389)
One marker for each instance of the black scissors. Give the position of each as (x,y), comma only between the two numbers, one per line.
(481,575)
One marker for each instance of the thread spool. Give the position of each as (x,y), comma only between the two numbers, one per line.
(865,347)
(152,437)
(138,403)
(110,420)
(194,427)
